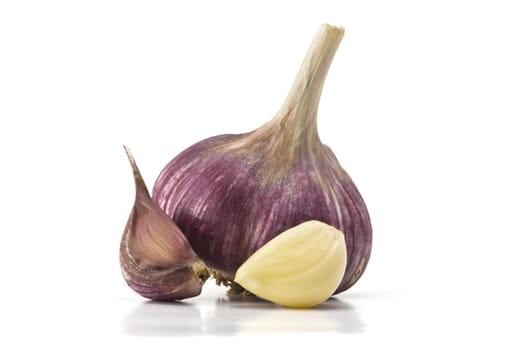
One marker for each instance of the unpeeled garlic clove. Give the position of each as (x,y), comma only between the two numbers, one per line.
(299,268)
(156,259)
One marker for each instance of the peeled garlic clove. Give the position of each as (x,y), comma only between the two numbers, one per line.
(156,259)
(230,194)
(300,268)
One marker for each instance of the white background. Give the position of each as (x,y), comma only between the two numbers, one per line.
(424,107)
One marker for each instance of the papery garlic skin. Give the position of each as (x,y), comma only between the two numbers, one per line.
(156,259)
(299,268)
(230,194)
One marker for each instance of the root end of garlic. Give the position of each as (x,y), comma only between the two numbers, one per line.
(201,271)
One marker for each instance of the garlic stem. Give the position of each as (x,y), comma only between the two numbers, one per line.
(298,115)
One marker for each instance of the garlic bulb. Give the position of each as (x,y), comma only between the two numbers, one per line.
(230,194)
(156,259)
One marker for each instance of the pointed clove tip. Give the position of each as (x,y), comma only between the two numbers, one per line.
(128,153)
(131,159)
(139,181)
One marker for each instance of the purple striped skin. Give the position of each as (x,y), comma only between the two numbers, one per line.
(230,194)
(168,288)
(156,259)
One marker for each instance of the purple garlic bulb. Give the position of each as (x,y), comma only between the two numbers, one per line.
(230,194)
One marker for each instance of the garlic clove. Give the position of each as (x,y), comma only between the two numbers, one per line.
(156,259)
(299,268)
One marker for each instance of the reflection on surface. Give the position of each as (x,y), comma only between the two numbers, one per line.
(254,315)
(235,314)
(161,319)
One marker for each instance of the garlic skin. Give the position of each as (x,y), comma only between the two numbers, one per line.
(156,259)
(299,268)
(231,194)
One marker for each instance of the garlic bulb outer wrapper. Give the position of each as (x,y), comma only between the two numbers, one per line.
(156,259)
(230,194)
